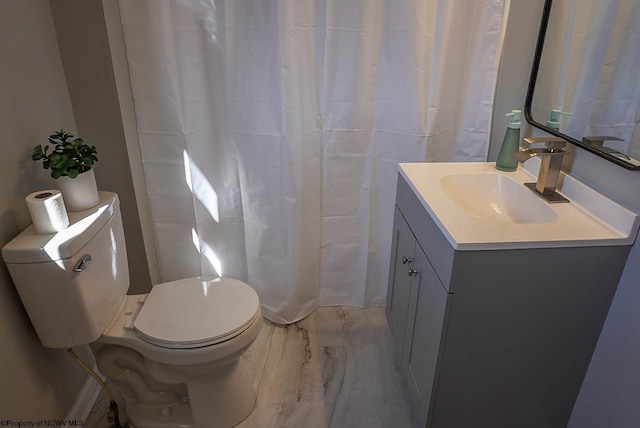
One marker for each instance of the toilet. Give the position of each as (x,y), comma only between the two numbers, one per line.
(174,353)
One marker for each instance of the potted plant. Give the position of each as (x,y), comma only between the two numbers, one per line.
(70,161)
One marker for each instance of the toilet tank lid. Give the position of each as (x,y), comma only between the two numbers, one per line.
(30,247)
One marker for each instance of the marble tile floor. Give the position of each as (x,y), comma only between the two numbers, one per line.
(333,369)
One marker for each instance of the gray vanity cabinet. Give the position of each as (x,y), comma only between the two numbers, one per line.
(417,304)
(402,254)
(493,338)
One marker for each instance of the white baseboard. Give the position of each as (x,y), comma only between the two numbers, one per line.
(85,400)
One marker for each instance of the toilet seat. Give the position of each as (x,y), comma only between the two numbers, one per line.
(196,312)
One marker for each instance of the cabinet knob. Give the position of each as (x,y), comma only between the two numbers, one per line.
(412,271)
(406,260)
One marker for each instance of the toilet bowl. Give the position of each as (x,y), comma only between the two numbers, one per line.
(174,353)
(185,338)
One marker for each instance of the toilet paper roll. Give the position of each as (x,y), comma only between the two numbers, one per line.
(47,211)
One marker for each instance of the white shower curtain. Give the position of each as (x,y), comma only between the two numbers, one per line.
(271,130)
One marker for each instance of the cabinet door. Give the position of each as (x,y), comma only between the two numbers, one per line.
(426,323)
(403,245)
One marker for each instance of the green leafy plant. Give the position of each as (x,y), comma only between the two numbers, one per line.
(69,157)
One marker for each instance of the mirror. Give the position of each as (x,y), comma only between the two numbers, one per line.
(587,63)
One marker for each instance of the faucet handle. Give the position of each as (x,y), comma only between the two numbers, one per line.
(553,144)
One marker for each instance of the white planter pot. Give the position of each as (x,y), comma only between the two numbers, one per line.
(80,193)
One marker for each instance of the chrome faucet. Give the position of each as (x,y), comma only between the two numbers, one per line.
(550,165)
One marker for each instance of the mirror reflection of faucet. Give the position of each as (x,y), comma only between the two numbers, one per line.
(551,162)
(597,142)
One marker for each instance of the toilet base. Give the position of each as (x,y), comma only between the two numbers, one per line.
(161,396)
(223,398)
(172,415)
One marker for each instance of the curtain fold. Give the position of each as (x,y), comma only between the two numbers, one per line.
(271,131)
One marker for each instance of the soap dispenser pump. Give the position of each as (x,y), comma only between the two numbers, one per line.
(554,118)
(510,144)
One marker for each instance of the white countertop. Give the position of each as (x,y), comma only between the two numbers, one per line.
(590,219)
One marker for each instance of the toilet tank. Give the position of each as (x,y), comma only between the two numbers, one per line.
(72,283)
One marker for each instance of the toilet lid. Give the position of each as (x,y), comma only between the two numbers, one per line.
(196,312)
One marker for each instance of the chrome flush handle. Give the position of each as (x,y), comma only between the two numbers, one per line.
(83,263)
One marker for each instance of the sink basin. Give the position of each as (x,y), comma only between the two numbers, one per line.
(496,198)
(477,207)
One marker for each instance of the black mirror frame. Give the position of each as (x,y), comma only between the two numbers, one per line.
(544,21)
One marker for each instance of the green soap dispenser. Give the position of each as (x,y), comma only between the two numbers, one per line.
(510,144)
(554,118)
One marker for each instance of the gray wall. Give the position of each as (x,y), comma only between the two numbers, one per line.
(64,66)
(611,390)
(35,382)
(100,118)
